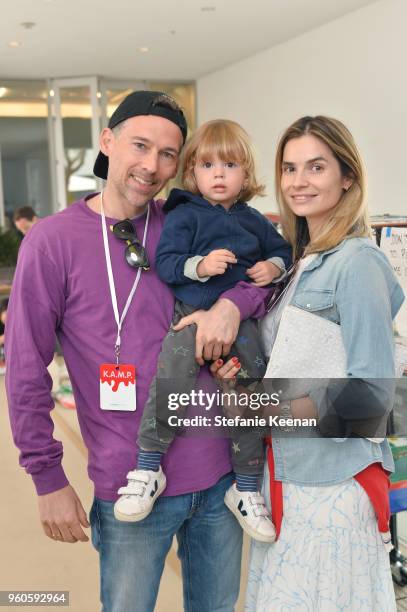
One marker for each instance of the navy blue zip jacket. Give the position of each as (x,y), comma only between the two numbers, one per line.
(196,227)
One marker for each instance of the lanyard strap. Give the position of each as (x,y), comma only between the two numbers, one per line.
(119,319)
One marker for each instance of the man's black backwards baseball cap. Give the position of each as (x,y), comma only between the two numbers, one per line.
(142,103)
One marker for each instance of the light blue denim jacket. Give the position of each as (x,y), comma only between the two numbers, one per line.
(353,285)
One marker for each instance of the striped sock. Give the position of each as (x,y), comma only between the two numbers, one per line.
(149,460)
(246,482)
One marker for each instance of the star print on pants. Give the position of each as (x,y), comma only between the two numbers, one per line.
(242,340)
(243,373)
(259,361)
(152,423)
(180,350)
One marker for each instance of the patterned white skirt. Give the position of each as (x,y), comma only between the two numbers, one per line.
(329,556)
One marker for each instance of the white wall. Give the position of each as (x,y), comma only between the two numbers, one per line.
(353,68)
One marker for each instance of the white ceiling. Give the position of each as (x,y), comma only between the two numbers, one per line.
(85,37)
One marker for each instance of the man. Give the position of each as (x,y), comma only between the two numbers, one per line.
(24,218)
(73,267)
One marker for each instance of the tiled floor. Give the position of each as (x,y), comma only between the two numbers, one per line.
(401,592)
(29,560)
(401,601)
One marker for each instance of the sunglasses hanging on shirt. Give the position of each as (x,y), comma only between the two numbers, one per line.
(135,253)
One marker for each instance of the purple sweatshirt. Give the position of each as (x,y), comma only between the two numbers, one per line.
(61,284)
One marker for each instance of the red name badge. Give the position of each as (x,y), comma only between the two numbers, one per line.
(117,387)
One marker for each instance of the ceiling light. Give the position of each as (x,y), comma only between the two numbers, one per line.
(28,24)
(208,9)
(3,91)
(143,49)
(14,43)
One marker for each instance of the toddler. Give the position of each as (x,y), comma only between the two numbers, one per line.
(211,240)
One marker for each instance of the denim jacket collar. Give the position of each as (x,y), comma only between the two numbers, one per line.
(317,261)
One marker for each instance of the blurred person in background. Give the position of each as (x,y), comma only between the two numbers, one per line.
(24,218)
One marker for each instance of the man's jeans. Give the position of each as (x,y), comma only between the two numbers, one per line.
(132,555)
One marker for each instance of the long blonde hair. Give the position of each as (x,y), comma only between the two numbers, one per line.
(349,218)
(230,142)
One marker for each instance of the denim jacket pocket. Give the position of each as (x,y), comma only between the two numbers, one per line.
(314,299)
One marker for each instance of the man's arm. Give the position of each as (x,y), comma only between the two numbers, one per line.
(217,327)
(36,308)
(62,516)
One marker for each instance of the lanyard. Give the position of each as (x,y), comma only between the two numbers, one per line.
(119,319)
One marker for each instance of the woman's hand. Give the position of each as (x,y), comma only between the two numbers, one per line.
(225,371)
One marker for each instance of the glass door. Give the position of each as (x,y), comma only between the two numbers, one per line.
(112,93)
(75,126)
(2,212)
(25,165)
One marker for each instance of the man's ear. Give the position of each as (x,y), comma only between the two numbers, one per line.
(105,140)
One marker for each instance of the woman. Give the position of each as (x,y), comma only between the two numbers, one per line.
(329,554)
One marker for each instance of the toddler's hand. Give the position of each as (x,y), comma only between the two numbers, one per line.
(263,272)
(216,262)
